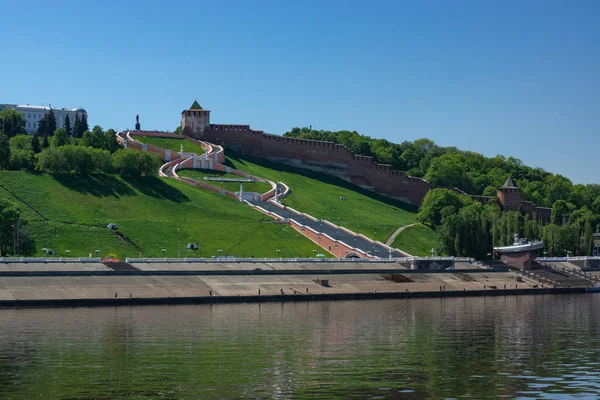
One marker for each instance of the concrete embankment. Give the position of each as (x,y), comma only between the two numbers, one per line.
(96,284)
(111,302)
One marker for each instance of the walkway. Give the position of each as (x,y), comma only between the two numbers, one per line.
(357,242)
(396,232)
(215,154)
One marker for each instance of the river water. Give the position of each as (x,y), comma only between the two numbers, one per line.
(519,346)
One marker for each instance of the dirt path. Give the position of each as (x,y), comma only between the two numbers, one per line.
(396,232)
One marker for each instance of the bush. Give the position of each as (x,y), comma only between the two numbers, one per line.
(134,163)
(71,159)
(22,159)
(53,161)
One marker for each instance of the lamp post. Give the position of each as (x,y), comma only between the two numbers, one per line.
(314,254)
(220,251)
(14,240)
(277,252)
(178,241)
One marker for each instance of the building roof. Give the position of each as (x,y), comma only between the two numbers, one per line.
(196,106)
(510,183)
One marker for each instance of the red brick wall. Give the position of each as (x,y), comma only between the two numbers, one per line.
(335,159)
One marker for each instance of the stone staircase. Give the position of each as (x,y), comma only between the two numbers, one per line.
(558,278)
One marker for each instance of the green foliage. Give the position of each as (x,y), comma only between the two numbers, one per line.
(80,126)
(12,123)
(4,151)
(68,129)
(71,159)
(60,138)
(136,164)
(178,130)
(47,125)
(20,142)
(10,220)
(45,142)
(439,203)
(449,167)
(22,160)
(91,139)
(36,147)
(561,210)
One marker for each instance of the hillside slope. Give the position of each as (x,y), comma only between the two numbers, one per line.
(333,199)
(72,214)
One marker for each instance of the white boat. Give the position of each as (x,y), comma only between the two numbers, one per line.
(519,246)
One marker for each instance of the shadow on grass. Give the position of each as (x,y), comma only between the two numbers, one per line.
(234,160)
(113,186)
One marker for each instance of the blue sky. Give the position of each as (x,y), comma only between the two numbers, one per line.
(519,78)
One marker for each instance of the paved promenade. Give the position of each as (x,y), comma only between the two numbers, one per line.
(318,280)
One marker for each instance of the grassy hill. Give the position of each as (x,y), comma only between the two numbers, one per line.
(71,213)
(321,196)
(417,240)
(171,144)
(199,174)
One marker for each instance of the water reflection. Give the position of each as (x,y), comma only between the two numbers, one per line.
(535,346)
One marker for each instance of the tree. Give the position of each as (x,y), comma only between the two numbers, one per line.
(60,138)
(45,143)
(84,123)
(91,140)
(20,142)
(561,210)
(22,159)
(12,123)
(47,125)
(439,203)
(178,130)
(77,126)
(10,214)
(4,151)
(68,129)
(109,139)
(36,147)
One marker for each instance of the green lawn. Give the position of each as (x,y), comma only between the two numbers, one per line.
(147,211)
(171,144)
(199,174)
(417,240)
(320,195)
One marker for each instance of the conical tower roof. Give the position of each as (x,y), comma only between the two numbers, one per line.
(510,183)
(196,106)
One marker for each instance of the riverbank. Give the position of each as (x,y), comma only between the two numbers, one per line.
(96,284)
(149,301)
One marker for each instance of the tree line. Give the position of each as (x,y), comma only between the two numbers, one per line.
(465,227)
(469,171)
(60,153)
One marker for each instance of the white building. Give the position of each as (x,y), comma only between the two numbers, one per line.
(33,114)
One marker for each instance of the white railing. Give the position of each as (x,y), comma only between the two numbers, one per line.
(49,260)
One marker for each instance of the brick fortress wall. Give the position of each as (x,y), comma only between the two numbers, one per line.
(330,158)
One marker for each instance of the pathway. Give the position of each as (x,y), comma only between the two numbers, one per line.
(396,232)
(350,239)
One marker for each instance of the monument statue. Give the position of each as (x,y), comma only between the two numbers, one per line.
(137,122)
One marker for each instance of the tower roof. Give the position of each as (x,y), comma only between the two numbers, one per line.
(196,106)
(510,183)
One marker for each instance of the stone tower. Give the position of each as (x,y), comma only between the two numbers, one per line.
(195,120)
(510,195)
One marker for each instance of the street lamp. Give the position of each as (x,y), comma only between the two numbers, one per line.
(277,252)
(314,253)
(220,251)
(14,240)
(178,242)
